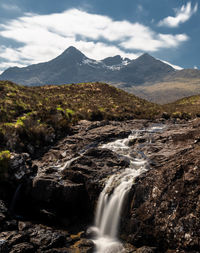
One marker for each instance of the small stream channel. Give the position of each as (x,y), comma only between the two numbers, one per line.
(116,190)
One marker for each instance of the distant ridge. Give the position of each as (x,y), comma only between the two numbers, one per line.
(72,66)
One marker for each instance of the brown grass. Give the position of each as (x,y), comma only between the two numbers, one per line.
(37,116)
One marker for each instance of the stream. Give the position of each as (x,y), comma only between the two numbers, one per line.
(116,190)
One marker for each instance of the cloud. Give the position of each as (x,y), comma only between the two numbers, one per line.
(181,15)
(154,42)
(46,36)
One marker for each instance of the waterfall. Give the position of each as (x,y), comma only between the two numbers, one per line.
(115,192)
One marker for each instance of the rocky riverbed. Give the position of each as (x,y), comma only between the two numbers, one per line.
(48,203)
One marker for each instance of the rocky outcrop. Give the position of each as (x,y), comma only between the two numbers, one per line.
(61,189)
(164,208)
(28,237)
(71,175)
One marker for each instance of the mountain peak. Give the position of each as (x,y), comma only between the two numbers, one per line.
(72,51)
(71,54)
(113,60)
(145,57)
(148,59)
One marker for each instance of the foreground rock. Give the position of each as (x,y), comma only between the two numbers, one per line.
(164,209)
(28,237)
(61,190)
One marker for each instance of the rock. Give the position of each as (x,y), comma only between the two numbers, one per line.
(22,226)
(10,225)
(9,239)
(64,198)
(30,237)
(78,236)
(47,239)
(21,166)
(61,250)
(3,208)
(145,249)
(84,246)
(165,115)
(162,210)
(23,248)
(3,214)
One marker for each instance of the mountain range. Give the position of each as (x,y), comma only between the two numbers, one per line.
(145,76)
(72,66)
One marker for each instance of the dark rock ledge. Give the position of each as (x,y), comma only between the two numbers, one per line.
(47,204)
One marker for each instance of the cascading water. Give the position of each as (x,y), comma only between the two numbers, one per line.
(115,192)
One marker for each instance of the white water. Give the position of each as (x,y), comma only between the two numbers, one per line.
(115,192)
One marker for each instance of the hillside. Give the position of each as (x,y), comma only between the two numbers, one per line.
(54,168)
(186,106)
(72,66)
(168,90)
(36,116)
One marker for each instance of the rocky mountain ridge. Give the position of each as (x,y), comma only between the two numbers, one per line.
(72,66)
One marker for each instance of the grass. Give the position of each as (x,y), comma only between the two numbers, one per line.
(188,107)
(34,117)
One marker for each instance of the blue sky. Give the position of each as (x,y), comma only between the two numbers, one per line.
(33,31)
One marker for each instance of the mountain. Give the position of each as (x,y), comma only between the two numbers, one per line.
(183,74)
(144,69)
(115,60)
(176,85)
(146,77)
(72,66)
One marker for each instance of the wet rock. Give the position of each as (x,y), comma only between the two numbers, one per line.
(163,210)
(20,165)
(23,248)
(47,239)
(84,246)
(78,236)
(3,208)
(145,249)
(62,197)
(3,213)
(22,226)
(10,225)
(60,250)
(9,239)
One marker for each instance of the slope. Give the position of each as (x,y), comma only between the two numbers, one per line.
(32,117)
(187,107)
(167,91)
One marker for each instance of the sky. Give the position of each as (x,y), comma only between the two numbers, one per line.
(33,31)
